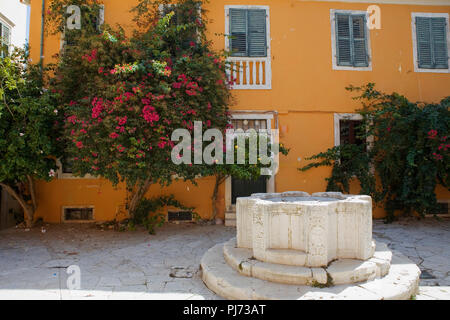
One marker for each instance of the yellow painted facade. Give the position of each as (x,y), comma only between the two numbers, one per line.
(305,93)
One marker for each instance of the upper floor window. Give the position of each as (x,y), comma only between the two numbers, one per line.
(183,16)
(431,42)
(350,37)
(5,39)
(78,17)
(180,16)
(248,41)
(248,32)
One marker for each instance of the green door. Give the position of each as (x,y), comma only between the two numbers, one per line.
(245,188)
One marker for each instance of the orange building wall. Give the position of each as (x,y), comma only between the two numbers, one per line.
(306,92)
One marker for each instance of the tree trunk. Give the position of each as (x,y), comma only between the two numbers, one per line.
(27,209)
(219,180)
(32,192)
(138,195)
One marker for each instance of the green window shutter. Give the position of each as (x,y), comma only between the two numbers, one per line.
(432,52)
(439,34)
(343,40)
(238,32)
(424,44)
(257,35)
(351,40)
(359,34)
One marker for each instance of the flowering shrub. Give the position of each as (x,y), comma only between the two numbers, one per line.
(409,153)
(123,97)
(29,131)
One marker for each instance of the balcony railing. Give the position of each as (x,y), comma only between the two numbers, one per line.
(250,73)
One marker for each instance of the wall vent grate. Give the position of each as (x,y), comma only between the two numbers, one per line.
(78,214)
(179,216)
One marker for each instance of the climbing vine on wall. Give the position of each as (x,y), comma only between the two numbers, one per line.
(408,158)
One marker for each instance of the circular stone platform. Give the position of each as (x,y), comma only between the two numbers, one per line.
(296,246)
(400,283)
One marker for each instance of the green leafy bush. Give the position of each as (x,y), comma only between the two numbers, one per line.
(30,130)
(147,212)
(409,155)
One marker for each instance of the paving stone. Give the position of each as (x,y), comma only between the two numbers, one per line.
(434,293)
(32,265)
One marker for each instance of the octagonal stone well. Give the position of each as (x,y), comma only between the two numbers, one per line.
(298,229)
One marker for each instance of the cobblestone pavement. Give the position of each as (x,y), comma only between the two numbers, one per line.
(136,265)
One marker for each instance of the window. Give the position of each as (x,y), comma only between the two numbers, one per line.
(92,21)
(349,132)
(188,35)
(179,17)
(65,171)
(66,165)
(350,40)
(248,34)
(248,41)
(431,42)
(347,129)
(5,39)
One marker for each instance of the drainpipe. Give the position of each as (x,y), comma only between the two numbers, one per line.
(41,60)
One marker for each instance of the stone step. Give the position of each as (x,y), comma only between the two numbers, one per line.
(230,222)
(401,283)
(341,271)
(230,215)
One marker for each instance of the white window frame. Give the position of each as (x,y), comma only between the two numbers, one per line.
(337,124)
(258,115)
(63,218)
(337,131)
(334,43)
(10,26)
(267,60)
(101,16)
(414,15)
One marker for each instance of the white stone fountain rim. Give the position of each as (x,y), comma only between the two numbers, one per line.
(303,198)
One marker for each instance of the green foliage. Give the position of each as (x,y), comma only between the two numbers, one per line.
(147,212)
(247,171)
(349,162)
(328,284)
(409,154)
(29,123)
(29,129)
